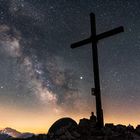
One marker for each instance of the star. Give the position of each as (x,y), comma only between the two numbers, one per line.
(81,77)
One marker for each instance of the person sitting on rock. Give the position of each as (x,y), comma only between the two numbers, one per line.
(93,117)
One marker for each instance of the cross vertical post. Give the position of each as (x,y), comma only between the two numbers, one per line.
(97,91)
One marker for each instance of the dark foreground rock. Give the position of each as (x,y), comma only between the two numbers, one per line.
(68,129)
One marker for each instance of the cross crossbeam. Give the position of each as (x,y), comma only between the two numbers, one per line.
(94,40)
(98,37)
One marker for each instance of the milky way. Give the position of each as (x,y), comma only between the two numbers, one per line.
(42,74)
(38,70)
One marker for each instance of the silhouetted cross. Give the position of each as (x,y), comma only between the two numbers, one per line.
(94,39)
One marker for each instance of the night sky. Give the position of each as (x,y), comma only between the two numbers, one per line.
(43,79)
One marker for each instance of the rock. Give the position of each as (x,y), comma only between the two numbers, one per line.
(67,129)
(138,129)
(64,129)
(130,128)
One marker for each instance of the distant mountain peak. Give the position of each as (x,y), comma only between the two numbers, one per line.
(14,133)
(11,132)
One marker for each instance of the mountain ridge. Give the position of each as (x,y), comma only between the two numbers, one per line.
(14,133)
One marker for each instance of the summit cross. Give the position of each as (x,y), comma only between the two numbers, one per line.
(93,39)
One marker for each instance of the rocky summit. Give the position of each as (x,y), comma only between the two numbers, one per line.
(68,129)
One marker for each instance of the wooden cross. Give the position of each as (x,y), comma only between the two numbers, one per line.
(94,39)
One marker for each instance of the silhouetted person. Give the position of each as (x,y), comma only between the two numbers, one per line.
(93,117)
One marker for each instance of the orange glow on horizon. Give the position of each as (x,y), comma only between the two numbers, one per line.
(40,122)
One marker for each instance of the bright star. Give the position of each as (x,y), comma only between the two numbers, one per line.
(81,77)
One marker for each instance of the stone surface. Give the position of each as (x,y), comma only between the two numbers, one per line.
(68,129)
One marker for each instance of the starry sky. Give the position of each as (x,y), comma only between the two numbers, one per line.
(43,79)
